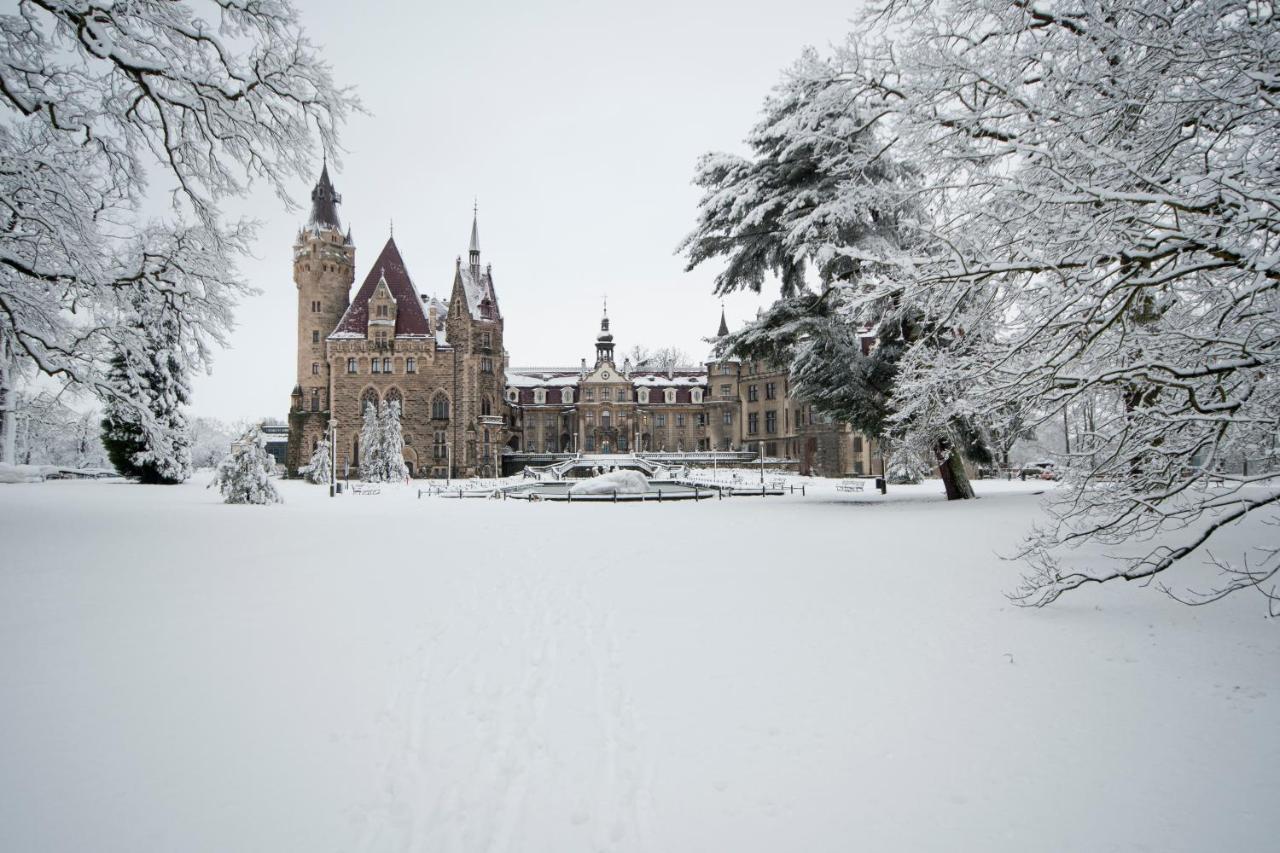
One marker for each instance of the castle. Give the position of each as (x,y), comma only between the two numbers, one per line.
(467,413)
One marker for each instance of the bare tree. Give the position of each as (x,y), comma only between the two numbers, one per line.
(662,358)
(97,100)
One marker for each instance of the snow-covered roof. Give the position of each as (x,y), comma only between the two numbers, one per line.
(548,377)
(478,286)
(681,376)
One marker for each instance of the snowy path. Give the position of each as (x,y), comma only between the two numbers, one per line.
(388,674)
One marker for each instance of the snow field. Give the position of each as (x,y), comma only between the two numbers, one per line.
(823,673)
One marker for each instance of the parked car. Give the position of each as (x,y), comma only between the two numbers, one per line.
(1039,471)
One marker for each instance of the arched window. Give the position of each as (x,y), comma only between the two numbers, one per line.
(486,405)
(367,399)
(440,407)
(394,396)
(566,396)
(315,399)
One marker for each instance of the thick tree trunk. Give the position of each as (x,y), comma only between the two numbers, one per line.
(954,479)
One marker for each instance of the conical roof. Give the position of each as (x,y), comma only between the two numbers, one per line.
(324,203)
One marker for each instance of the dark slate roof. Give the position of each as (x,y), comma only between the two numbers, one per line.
(324,202)
(410,319)
(724,327)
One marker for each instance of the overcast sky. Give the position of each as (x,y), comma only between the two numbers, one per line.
(576,125)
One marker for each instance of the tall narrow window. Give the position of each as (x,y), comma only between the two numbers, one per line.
(386,365)
(315,369)
(351,365)
(376,365)
(410,365)
(440,407)
(315,336)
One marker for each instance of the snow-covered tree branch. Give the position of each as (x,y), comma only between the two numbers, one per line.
(1092,220)
(104,107)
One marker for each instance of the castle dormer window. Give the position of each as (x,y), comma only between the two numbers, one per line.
(696,393)
(566,396)
(539,396)
(670,395)
(644,395)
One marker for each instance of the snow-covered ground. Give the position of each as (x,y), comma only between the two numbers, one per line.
(826,673)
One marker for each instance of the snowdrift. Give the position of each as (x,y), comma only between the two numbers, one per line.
(622,482)
(26,473)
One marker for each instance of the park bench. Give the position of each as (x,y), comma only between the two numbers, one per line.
(851,486)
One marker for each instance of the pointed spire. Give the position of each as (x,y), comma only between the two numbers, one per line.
(324,202)
(724,327)
(475,241)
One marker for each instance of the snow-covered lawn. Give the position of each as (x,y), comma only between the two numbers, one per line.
(827,673)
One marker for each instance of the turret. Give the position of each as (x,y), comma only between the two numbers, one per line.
(323,270)
(604,341)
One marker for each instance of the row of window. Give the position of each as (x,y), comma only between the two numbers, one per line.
(770,422)
(753,391)
(620,395)
(377,365)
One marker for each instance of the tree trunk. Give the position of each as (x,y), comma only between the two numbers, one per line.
(8,405)
(954,478)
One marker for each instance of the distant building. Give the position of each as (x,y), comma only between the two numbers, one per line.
(466,413)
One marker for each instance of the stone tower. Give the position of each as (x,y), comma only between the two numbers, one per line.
(323,271)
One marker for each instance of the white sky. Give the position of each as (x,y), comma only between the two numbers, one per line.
(575,124)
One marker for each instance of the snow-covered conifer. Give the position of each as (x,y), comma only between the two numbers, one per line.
(244,476)
(373,467)
(394,468)
(320,468)
(144,429)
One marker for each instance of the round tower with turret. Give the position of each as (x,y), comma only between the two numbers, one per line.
(323,271)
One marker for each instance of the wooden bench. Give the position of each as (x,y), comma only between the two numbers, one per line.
(364,489)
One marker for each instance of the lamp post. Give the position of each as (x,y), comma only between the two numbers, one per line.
(762,463)
(333,458)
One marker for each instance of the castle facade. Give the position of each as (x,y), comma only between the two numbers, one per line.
(467,413)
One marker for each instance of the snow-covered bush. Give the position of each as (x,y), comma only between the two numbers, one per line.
(244,477)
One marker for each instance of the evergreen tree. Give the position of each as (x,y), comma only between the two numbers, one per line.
(244,476)
(144,429)
(816,205)
(319,469)
(394,469)
(372,456)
